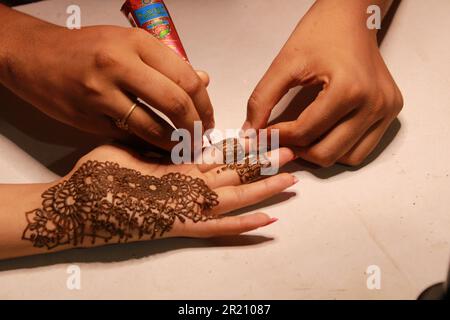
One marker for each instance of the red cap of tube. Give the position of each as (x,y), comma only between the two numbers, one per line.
(153,16)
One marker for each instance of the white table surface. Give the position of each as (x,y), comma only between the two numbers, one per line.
(393,212)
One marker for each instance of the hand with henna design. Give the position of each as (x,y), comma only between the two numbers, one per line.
(114,196)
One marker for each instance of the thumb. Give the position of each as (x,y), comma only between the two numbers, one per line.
(269,91)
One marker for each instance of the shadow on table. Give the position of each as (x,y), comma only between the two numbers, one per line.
(387,21)
(325,173)
(27,125)
(128,251)
(273,201)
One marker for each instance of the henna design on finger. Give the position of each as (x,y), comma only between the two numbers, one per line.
(250,169)
(104,201)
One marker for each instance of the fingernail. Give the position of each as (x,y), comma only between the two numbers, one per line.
(272,220)
(295,180)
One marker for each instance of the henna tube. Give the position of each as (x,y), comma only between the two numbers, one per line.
(153,16)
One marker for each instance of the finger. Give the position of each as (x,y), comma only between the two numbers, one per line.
(222,227)
(366,144)
(213,157)
(161,93)
(339,141)
(232,198)
(269,91)
(146,124)
(223,176)
(104,126)
(204,77)
(317,119)
(163,59)
(142,122)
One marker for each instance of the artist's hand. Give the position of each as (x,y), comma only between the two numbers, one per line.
(86,78)
(333,47)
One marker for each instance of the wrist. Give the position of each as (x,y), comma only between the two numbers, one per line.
(16,201)
(347,17)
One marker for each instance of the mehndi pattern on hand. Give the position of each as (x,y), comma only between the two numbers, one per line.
(102,200)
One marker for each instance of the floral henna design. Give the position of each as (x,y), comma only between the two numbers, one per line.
(104,201)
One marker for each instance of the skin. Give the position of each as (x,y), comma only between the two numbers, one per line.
(231,196)
(332,47)
(86,78)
